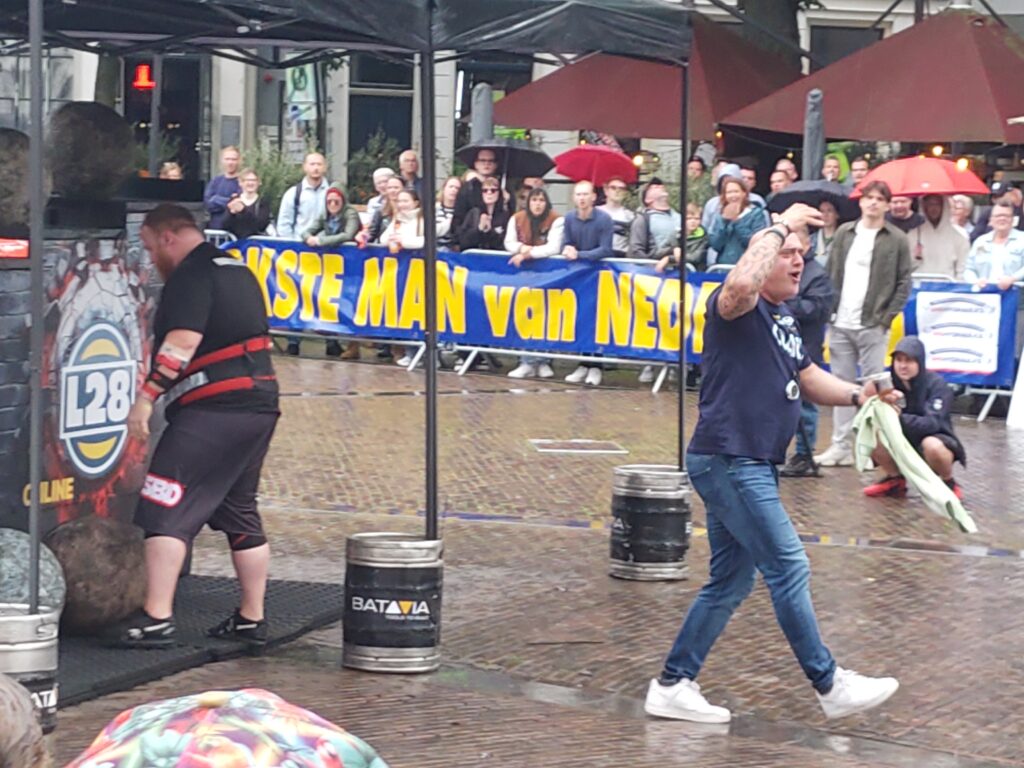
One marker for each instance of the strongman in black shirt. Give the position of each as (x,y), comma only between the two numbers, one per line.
(212,366)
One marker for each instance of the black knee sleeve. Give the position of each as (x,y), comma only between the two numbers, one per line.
(239,542)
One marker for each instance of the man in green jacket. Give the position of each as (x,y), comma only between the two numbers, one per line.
(870,267)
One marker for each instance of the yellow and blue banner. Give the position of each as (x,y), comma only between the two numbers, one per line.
(613,309)
(608,308)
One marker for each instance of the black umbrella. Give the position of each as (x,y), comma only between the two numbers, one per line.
(815,193)
(517,158)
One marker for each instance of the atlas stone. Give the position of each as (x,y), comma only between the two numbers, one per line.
(89,151)
(14,192)
(105,571)
(21,739)
(14,553)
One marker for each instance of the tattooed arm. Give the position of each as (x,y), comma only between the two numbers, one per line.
(744,282)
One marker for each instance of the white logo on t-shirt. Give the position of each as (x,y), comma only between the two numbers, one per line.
(791,343)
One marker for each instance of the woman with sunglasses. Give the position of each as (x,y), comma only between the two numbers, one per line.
(484,226)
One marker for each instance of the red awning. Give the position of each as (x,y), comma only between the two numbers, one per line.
(953,77)
(640,99)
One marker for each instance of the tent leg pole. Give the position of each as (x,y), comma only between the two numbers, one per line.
(36,250)
(430,287)
(683,158)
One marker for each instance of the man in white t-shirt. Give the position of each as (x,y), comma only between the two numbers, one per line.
(870,267)
(615,191)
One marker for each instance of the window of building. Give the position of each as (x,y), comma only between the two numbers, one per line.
(380,100)
(830,44)
(373,72)
(503,72)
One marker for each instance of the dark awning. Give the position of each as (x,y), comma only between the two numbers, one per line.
(950,78)
(656,29)
(397,25)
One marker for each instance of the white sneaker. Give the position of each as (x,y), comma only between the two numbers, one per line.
(545,371)
(594,376)
(646,375)
(524,371)
(835,456)
(577,376)
(682,701)
(852,693)
(405,361)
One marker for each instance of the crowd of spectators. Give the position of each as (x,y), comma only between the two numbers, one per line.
(933,236)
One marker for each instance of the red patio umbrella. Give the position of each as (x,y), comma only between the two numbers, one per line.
(592,162)
(641,99)
(919,176)
(948,78)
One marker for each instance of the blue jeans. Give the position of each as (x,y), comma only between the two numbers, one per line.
(748,531)
(809,427)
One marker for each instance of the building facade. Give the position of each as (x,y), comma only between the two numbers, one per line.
(210,102)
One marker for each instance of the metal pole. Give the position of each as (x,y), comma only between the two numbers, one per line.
(683,163)
(918,11)
(430,277)
(154,116)
(36,249)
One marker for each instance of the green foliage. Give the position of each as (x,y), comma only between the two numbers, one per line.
(167,151)
(698,192)
(277,172)
(380,151)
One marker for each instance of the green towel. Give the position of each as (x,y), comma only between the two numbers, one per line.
(877,422)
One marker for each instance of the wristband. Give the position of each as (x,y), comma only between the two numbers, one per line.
(774,231)
(150,391)
(855,398)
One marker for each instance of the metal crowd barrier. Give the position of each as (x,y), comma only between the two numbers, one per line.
(473,351)
(218,237)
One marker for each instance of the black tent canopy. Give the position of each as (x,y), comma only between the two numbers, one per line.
(656,29)
(650,29)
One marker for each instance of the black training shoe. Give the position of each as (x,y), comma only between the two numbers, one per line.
(333,349)
(799,465)
(237,627)
(293,349)
(140,630)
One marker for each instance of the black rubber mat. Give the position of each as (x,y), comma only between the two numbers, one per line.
(89,669)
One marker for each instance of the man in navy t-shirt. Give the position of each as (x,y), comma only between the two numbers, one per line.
(755,371)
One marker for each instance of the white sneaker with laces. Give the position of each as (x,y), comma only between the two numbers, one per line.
(646,375)
(852,693)
(682,701)
(835,456)
(577,376)
(405,361)
(594,376)
(523,371)
(545,371)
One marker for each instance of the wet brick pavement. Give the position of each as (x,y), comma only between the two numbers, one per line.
(539,642)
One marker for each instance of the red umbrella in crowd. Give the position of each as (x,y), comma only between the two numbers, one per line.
(918,176)
(592,162)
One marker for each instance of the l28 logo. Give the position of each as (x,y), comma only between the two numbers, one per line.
(97,391)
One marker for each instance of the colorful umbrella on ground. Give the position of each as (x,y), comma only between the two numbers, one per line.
(919,176)
(592,162)
(814,193)
(225,729)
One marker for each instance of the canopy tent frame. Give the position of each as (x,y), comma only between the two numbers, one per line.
(656,29)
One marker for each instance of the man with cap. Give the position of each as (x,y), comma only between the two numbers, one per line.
(925,404)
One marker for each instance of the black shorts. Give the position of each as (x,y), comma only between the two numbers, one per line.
(953,444)
(206,470)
